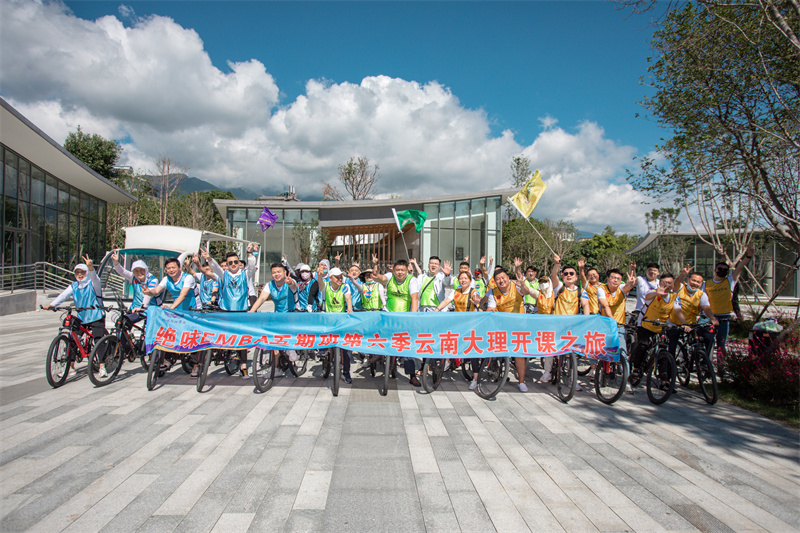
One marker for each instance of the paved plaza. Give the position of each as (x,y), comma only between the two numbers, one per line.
(120,458)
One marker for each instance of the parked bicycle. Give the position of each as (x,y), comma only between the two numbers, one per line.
(72,345)
(691,356)
(125,341)
(658,366)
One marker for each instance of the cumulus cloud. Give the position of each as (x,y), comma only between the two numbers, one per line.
(152,85)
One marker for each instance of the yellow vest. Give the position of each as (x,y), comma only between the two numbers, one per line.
(568,302)
(544,306)
(616,302)
(461,301)
(658,310)
(592,293)
(720,296)
(511,302)
(690,305)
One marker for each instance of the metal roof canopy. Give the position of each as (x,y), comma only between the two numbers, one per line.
(173,238)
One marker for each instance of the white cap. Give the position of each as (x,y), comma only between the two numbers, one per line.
(302,266)
(335,271)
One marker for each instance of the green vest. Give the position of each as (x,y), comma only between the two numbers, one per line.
(480,286)
(398,297)
(427,296)
(528,299)
(371,299)
(334,300)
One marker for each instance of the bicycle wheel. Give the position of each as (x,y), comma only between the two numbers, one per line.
(466,369)
(263,370)
(388,364)
(144,359)
(492,375)
(204,361)
(706,377)
(337,370)
(432,372)
(683,365)
(567,377)
(584,365)
(301,365)
(154,369)
(326,364)
(610,379)
(58,361)
(187,362)
(106,358)
(661,378)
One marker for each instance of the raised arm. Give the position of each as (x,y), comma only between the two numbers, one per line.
(582,272)
(685,271)
(554,271)
(748,255)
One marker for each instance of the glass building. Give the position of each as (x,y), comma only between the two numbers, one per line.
(457,227)
(54,206)
(771,261)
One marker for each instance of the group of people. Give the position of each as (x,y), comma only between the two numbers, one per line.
(569,290)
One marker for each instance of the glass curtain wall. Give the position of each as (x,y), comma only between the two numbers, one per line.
(45,219)
(276,241)
(466,228)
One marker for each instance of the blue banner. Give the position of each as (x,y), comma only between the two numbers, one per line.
(446,335)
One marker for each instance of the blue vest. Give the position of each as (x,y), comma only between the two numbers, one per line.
(207,290)
(86,297)
(138,295)
(283,298)
(355,296)
(234,291)
(174,290)
(302,294)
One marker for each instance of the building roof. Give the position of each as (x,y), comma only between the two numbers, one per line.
(371,212)
(22,136)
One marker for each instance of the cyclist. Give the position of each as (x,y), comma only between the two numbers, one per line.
(139,277)
(466,298)
(209,285)
(307,288)
(85,291)
(693,301)
(433,284)
(506,297)
(590,281)
(659,304)
(566,302)
(533,285)
(720,297)
(234,289)
(645,285)
(337,298)
(611,301)
(402,295)
(373,297)
(282,290)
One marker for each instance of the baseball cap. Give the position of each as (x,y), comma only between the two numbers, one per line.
(335,271)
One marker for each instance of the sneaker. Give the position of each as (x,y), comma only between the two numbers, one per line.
(347,378)
(473,384)
(414,381)
(546,377)
(365,363)
(194,372)
(628,388)
(279,373)
(293,355)
(245,375)
(523,387)
(102,372)
(578,387)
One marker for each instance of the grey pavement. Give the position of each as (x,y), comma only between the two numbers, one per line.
(121,458)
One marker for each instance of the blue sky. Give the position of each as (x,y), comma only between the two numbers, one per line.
(269,94)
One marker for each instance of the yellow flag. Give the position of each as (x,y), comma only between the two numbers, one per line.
(527,198)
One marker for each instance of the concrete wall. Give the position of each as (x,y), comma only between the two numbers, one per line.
(17,302)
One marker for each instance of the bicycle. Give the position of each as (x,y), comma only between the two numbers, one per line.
(72,344)
(125,341)
(492,375)
(263,368)
(691,355)
(659,367)
(611,376)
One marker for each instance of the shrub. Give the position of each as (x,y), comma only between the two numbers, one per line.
(774,378)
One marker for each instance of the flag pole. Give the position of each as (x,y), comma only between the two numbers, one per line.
(402,235)
(528,220)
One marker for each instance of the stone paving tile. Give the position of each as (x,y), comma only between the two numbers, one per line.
(121,458)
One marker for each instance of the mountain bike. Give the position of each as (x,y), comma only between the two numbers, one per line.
(691,356)
(658,366)
(125,341)
(72,345)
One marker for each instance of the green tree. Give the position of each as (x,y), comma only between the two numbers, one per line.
(98,153)
(520,170)
(311,241)
(607,250)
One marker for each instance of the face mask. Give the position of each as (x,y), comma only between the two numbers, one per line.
(305,276)
(255,254)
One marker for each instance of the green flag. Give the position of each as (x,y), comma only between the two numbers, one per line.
(409,215)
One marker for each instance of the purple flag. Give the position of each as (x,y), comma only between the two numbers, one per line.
(267,219)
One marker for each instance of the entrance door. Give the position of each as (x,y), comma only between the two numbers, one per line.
(16,248)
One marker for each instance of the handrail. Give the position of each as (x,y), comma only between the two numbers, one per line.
(36,276)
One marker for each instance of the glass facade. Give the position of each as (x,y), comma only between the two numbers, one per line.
(455,230)
(243,224)
(45,219)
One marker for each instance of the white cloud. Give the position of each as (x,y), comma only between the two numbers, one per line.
(153,86)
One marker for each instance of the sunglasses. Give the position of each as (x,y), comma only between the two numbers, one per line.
(233,262)
(570,273)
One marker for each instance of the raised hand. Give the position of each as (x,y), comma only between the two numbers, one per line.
(556,258)
(483,260)
(115,256)
(447,267)
(517,262)
(374,259)
(687,270)
(88,262)
(581,263)
(205,254)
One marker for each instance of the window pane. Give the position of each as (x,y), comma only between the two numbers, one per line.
(477,247)
(253,214)
(50,250)
(37,233)
(10,175)
(493,213)
(63,240)
(446,214)
(238,215)
(37,187)
(93,208)
(23,212)
(291,215)
(433,215)
(462,244)
(101,213)
(10,212)
(63,197)
(446,252)
(51,192)
(310,215)
(462,215)
(24,187)
(74,234)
